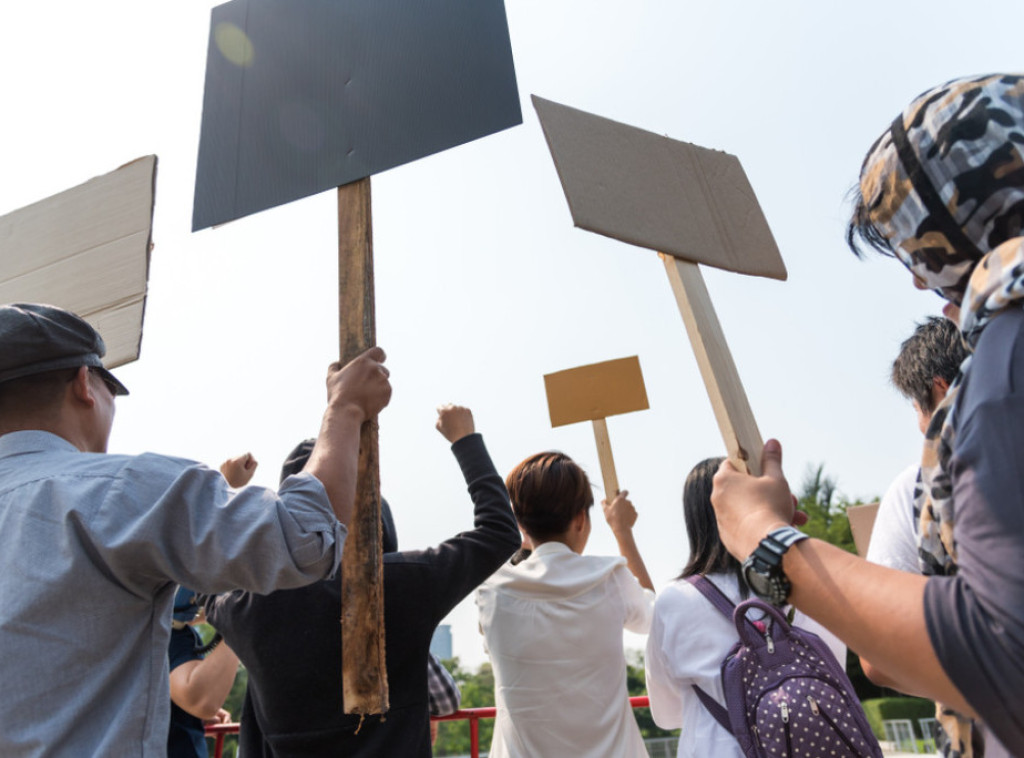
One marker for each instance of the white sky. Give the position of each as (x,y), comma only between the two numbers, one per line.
(483,284)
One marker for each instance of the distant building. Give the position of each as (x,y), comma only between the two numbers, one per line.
(441,642)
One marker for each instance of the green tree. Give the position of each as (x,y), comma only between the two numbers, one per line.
(826,512)
(827,520)
(636,684)
(477,692)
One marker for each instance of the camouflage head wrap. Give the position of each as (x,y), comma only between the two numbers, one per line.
(943,190)
(944,185)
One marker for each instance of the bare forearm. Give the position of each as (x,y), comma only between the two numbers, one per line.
(335,459)
(201,687)
(634,561)
(876,611)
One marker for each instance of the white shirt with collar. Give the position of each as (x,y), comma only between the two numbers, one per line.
(553,628)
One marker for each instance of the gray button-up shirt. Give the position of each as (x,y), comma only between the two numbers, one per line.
(91,548)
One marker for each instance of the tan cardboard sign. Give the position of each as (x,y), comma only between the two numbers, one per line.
(862,524)
(592,393)
(598,390)
(87,250)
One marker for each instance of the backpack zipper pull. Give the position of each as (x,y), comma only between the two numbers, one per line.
(757,735)
(770,642)
(784,707)
(814,705)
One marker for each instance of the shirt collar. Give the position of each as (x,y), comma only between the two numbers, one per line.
(551,548)
(32,441)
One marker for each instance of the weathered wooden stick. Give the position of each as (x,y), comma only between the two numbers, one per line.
(728,399)
(364,676)
(604,455)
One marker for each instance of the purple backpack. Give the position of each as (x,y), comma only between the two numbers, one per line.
(785,692)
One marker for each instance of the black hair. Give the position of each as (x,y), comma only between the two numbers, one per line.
(861,230)
(296,462)
(707,553)
(935,349)
(35,393)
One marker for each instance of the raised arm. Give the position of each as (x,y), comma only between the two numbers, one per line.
(356,392)
(621,515)
(238,471)
(876,611)
(200,687)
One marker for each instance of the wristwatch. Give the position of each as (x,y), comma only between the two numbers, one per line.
(763,569)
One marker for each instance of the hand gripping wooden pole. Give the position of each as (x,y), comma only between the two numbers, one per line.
(364,676)
(728,399)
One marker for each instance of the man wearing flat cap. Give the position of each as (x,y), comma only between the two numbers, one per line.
(93,545)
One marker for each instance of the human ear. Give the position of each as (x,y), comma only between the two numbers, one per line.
(81,389)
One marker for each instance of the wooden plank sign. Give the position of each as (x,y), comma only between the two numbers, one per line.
(691,204)
(86,249)
(593,393)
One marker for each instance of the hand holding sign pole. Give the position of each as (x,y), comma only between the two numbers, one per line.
(592,393)
(693,205)
(304,96)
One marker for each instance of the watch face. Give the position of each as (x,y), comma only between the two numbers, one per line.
(758,582)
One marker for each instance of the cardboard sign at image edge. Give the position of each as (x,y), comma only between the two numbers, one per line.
(327,93)
(86,249)
(595,391)
(648,190)
(862,523)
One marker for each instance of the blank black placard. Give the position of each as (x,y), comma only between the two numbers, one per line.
(305,95)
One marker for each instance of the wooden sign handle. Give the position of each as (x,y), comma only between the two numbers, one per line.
(732,411)
(604,455)
(364,674)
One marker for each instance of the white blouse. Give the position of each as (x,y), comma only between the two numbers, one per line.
(553,628)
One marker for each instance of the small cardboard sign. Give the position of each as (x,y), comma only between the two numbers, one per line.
(596,391)
(87,250)
(648,190)
(307,95)
(862,524)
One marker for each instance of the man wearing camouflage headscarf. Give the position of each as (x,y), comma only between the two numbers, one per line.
(942,190)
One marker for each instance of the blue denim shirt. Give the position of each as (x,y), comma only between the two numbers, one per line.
(91,548)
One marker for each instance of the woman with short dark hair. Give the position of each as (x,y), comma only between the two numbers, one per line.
(553,622)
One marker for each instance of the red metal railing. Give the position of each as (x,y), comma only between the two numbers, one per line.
(472,715)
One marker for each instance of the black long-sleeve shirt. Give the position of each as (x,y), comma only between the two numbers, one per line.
(290,641)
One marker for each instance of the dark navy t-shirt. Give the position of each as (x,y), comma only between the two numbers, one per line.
(186,738)
(976,619)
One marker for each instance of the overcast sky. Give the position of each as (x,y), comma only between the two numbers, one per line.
(483,284)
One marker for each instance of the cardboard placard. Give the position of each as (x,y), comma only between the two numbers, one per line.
(307,95)
(648,190)
(87,250)
(862,524)
(596,391)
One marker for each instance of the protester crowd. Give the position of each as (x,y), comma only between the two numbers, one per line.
(107,561)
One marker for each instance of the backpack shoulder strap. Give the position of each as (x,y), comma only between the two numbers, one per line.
(715,708)
(714,595)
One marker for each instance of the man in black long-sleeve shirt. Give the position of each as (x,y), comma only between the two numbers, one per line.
(290,642)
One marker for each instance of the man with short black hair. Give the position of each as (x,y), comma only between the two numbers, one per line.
(927,364)
(92,546)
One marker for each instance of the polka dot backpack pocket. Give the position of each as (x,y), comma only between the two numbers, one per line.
(785,692)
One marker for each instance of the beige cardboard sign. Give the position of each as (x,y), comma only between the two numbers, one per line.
(862,523)
(87,250)
(648,190)
(596,391)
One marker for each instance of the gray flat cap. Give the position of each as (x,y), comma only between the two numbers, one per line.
(36,338)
